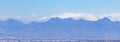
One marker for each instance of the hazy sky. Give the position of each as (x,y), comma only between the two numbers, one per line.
(51,7)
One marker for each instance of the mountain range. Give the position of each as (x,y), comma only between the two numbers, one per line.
(62,28)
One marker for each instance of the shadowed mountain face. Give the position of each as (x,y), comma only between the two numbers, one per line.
(62,28)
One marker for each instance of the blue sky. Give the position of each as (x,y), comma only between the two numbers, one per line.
(51,7)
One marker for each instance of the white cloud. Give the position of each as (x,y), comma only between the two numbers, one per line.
(3,18)
(113,16)
(75,16)
(89,17)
